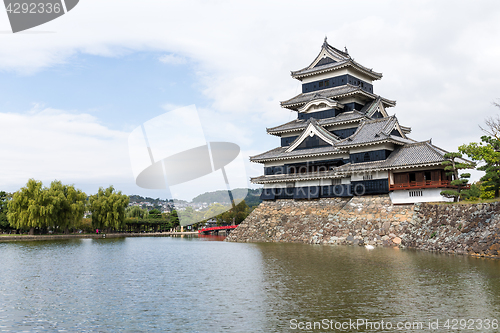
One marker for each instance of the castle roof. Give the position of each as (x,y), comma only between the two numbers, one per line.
(369,132)
(376,130)
(330,59)
(333,93)
(280,153)
(416,154)
(298,124)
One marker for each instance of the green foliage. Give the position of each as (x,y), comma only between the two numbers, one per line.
(452,166)
(215,209)
(108,208)
(189,216)
(485,194)
(154,214)
(137,212)
(84,224)
(474,193)
(434,233)
(222,196)
(31,207)
(173,219)
(4,222)
(35,206)
(488,152)
(69,204)
(236,214)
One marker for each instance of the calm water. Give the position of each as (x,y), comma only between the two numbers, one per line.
(195,285)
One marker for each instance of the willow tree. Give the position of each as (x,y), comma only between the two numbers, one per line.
(108,209)
(35,206)
(31,207)
(4,222)
(136,212)
(69,205)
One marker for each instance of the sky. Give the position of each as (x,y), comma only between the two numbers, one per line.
(72,90)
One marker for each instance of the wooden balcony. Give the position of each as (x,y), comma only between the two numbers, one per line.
(424,184)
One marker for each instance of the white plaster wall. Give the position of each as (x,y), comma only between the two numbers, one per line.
(303,183)
(376,175)
(346,181)
(429,195)
(325,182)
(275,185)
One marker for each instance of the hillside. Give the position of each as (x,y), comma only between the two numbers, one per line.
(252,197)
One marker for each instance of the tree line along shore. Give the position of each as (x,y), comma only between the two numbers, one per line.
(62,209)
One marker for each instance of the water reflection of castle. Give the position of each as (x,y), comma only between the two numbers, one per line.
(344,142)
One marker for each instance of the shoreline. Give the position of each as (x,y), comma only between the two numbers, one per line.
(94,236)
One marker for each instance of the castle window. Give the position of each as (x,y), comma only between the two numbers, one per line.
(366,157)
(336,181)
(321,84)
(327,83)
(367,177)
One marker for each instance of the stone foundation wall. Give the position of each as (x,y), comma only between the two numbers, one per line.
(361,220)
(472,229)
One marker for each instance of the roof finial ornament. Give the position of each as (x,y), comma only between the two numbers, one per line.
(345,50)
(324,43)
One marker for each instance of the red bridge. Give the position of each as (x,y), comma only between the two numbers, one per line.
(227,227)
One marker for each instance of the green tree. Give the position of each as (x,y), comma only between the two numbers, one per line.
(214,210)
(108,209)
(35,206)
(474,193)
(235,215)
(31,207)
(488,152)
(136,212)
(4,222)
(69,205)
(154,214)
(452,165)
(173,219)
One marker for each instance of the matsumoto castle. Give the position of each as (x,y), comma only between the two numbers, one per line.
(344,143)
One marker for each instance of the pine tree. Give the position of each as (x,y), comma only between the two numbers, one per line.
(452,166)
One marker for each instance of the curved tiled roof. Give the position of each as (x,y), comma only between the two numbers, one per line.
(336,65)
(332,93)
(281,153)
(299,124)
(417,154)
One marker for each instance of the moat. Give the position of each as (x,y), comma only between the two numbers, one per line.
(196,285)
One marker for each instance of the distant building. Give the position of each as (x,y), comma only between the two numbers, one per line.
(344,143)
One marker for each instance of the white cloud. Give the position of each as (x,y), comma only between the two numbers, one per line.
(172,59)
(53,144)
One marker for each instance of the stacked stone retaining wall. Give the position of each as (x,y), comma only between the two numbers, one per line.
(472,229)
(361,220)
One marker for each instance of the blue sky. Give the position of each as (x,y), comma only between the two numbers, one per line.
(72,90)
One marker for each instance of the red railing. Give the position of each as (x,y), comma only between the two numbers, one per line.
(217,228)
(425,184)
